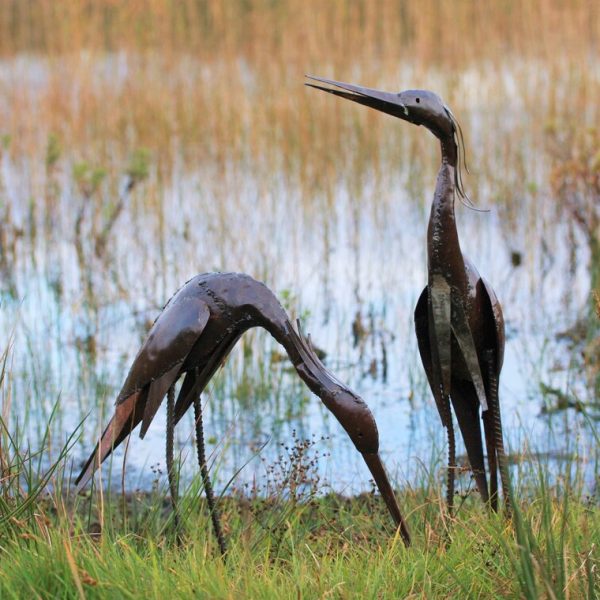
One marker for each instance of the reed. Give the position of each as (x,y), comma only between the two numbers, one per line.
(433,30)
(224,81)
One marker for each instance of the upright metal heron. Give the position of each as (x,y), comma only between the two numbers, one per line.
(458,319)
(192,336)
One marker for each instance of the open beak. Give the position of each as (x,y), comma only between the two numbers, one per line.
(383,484)
(386,102)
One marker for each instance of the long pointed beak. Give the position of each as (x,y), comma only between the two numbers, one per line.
(386,102)
(383,484)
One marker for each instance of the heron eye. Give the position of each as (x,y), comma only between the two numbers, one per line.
(418,100)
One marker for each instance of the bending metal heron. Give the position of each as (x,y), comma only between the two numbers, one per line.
(192,336)
(458,319)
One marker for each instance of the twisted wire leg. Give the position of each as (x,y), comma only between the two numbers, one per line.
(214,513)
(172,475)
(451,467)
(494,403)
(491,448)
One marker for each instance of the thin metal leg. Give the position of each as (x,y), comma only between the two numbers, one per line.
(451,462)
(214,514)
(497,427)
(491,448)
(490,431)
(172,475)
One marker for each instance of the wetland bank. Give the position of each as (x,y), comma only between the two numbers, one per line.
(142,145)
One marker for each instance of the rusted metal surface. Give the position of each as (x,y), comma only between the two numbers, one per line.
(194,334)
(458,319)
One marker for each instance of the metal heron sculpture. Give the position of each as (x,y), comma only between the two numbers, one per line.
(458,319)
(192,336)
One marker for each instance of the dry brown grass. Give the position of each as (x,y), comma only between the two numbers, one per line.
(223,80)
(292,32)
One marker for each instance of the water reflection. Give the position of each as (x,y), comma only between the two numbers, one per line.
(351,266)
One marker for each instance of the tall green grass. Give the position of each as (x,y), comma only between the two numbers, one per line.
(326,546)
(26,472)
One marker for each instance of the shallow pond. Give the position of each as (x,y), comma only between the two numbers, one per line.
(347,263)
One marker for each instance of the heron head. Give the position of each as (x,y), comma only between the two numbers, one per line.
(355,417)
(420,107)
(351,412)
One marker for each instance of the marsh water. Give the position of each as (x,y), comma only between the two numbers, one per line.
(349,262)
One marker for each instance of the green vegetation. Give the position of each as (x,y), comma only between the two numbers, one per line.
(481,561)
(330,546)
(293,545)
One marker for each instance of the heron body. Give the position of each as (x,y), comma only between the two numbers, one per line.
(194,334)
(458,319)
(460,333)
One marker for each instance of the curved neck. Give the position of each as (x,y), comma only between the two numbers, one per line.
(269,314)
(449,151)
(443,247)
(308,366)
(349,409)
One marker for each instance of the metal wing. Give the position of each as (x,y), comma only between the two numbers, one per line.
(169,341)
(428,358)
(464,337)
(155,368)
(498,318)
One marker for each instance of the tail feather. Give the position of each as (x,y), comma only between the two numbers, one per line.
(158,389)
(184,401)
(127,416)
(196,380)
(466,406)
